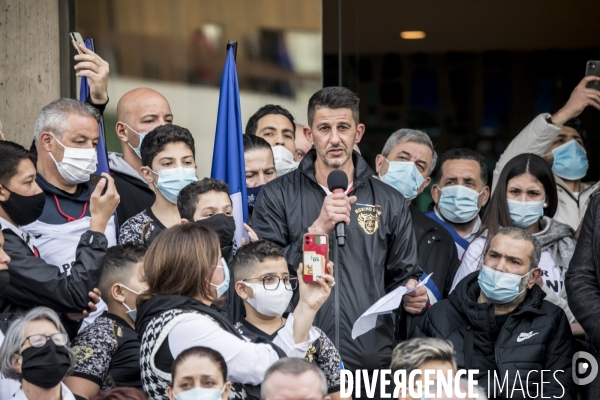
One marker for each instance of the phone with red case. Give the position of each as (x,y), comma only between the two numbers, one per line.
(315,254)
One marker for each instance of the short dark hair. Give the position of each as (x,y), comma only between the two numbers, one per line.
(200,352)
(190,195)
(296,367)
(577,124)
(121,393)
(158,138)
(333,97)
(119,264)
(463,154)
(253,142)
(248,256)
(11,155)
(496,214)
(518,234)
(269,109)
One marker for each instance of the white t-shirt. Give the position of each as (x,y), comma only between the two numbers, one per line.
(471,262)
(66,394)
(247,362)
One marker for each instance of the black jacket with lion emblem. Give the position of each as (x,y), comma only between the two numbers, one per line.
(380,252)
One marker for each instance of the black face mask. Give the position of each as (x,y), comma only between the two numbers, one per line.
(45,366)
(223,225)
(24,209)
(4,280)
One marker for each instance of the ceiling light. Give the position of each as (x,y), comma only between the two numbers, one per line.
(412,35)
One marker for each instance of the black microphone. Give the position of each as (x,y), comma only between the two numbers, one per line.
(337,182)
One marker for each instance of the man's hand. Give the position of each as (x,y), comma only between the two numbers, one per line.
(95,299)
(579,100)
(314,294)
(92,66)
(103,207)
(251,234)
(415,302)
(336,208)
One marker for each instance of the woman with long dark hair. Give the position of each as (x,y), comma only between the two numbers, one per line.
(526,197)
(185,274)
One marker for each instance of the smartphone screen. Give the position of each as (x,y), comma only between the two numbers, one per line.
(315,255)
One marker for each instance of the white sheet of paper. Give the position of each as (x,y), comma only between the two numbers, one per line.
(385,305)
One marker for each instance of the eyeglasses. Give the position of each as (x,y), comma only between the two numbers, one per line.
(271,282)
(59,339)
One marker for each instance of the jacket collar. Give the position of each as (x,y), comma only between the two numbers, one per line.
(464,299)
(83,192)
(362,171)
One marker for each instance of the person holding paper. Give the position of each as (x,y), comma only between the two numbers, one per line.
(500,324)
(406,163)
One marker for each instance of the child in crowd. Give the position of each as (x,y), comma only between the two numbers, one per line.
(263,282)
(168,156)
(108,351)
(208,204)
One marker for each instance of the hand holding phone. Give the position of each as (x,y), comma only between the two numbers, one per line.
(592,68)
(76,40)
(103,202)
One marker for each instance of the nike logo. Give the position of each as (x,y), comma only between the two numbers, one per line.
(525,336)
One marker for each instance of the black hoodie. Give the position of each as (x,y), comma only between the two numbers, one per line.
(160,304)
(380,253)
(535,337)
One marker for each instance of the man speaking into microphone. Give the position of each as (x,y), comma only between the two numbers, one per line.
(380,251)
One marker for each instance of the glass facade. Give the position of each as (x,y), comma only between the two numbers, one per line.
(178,47)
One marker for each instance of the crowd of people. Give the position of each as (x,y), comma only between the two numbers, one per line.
(132,286)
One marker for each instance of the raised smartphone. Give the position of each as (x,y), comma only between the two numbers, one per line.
(315,254)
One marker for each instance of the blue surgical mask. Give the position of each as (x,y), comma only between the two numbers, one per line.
(142,136)
(172,180)
(252,194)
(404,177)
(525,213)
(570,161)
(459,204)
(200,393)
(500,287)
(222,288)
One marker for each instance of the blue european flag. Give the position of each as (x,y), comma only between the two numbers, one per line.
(84,92)
(228,154)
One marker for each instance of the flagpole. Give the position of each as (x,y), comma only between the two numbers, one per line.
(101,116)
(233,43)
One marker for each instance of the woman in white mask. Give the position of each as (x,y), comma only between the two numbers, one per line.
(526,197)
(264,284)
(199,373)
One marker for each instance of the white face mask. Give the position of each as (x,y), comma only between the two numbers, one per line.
(132,313)
(284,160)
(77,164)
(271,303)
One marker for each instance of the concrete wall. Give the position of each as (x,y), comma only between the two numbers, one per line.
(29,64)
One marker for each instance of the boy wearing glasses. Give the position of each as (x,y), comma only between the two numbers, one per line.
(263,282)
